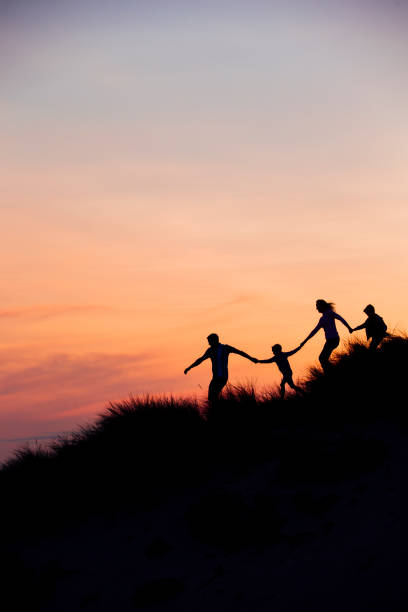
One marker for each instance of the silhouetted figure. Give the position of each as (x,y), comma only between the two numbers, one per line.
(281,360)
(218,353)
(375,327)
(327,322)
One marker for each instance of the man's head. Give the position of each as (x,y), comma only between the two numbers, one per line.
(276,349)
(213,339)
(369,309)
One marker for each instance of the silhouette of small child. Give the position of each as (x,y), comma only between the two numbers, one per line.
(375,327)
(281,360)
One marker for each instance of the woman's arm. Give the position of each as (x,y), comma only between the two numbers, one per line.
(362,326)
(312,333)
(337,316)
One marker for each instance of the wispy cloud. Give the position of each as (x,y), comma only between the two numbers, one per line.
(63,372)
(63,389)
(42,398)
(48,311)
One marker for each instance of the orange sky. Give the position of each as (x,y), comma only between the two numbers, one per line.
(164,179)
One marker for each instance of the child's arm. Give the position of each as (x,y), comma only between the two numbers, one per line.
(271,360)
(362,326)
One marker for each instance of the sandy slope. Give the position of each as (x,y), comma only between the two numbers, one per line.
(332,546)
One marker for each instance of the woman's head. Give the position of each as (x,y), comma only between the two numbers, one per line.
(322,305)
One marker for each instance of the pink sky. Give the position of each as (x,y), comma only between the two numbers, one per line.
(170,175)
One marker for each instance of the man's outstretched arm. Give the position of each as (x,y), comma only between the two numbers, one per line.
(238,352)
(196,362)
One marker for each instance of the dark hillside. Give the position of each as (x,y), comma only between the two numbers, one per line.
(186,508)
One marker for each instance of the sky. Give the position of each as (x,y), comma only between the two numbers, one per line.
(172,169)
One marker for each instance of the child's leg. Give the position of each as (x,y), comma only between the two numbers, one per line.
(293,386)
(282,388)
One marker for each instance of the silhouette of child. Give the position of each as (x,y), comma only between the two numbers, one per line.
(375,327)
(281,360)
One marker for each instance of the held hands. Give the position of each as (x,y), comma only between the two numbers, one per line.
(254,359)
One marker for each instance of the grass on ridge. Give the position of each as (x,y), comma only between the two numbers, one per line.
(145,448)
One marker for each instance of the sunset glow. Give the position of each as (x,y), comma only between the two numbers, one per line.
(171,172)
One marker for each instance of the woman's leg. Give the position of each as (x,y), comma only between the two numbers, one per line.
(328,348)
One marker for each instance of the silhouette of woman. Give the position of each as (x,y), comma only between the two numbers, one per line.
(328,323)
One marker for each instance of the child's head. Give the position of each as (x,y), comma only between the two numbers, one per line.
(276,349)
(369,310)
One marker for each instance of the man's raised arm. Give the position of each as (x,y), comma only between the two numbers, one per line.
(197,362)
(238,352)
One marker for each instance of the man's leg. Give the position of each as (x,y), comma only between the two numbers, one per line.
(215,388)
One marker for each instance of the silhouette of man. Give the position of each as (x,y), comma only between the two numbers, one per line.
(282,361)
(218,353)
(375,327)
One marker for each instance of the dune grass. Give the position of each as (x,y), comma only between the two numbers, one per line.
(144,449)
